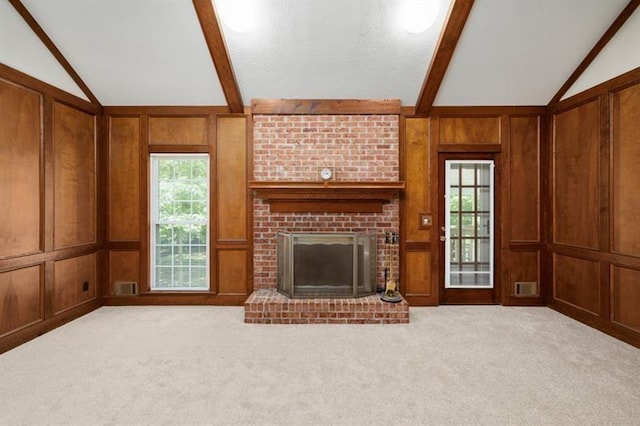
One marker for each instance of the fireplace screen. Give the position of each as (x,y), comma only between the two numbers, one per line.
(326,265)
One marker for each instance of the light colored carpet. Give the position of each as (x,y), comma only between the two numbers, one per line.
(203,365)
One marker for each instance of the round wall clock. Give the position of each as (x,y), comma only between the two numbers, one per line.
(326,173)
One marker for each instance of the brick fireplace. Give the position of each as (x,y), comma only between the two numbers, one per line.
(292,148)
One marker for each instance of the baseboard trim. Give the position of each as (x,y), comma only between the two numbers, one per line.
(608,327)
(23,335)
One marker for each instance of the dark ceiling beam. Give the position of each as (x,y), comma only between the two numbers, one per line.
(37,29)
(219,53)
(453,26)
(608,35)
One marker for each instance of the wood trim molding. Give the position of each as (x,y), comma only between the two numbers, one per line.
(37,29)
(332,197)
(454,24)
(611,328)
(608,35)
(487,111)
(168,111)
(219,54)
(18,77)
(325,106)
(469,147)
(617,83)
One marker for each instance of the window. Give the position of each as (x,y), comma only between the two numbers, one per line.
(179,221)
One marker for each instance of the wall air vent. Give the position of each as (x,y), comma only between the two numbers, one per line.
(126,288)
(526,289)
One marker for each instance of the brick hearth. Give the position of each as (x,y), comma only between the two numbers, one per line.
(270,307)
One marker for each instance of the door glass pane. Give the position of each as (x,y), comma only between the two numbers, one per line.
(483,251)
(455,175)
(468,174)
(468,227)
(455,225)
(484,201)
(468,202)
(483,224)
(469,224)
(485,175)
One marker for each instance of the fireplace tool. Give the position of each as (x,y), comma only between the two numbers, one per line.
(390,294)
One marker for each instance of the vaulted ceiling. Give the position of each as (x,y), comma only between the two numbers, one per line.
(158,52)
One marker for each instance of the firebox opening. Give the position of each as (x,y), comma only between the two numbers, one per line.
(326,265)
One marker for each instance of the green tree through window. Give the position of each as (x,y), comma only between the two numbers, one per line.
(180,216)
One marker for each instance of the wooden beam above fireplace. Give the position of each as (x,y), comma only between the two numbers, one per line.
(327,197)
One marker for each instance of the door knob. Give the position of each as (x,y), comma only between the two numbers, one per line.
(443,238)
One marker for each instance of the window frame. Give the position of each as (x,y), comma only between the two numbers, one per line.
(154,201)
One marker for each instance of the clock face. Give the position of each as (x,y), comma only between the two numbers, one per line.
(326,173)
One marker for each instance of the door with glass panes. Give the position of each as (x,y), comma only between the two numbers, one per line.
(468,229)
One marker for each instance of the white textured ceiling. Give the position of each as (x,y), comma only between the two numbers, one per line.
(521,52)
(133,52)
(153,52)
(620,55)
(332,49)
(21,49)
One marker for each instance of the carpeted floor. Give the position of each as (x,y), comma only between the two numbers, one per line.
(203,365)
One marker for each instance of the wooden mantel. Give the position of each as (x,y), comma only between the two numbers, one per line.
(330,197)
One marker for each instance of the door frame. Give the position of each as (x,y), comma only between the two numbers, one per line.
(465,296)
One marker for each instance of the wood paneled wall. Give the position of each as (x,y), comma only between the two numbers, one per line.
(49,232)
(514,136)
(595,200)
(133,133)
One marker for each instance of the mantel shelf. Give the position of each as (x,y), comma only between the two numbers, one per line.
(331,196)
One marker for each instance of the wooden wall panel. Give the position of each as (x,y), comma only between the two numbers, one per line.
(418,279)
(74,137)
(466,130)
(626,171)
(48,200)
(70,276)
(626,297)
(20,170)
(523,266)
(577,282)
(232,272)
(576,201)
(231,178)
(178,131)
(123,266)
(524,179)
(20,296)
(417,196)
(124,178)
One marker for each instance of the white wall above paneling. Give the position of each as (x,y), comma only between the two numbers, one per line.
(521,52)
(22,50)
(620,55)
(140,52)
